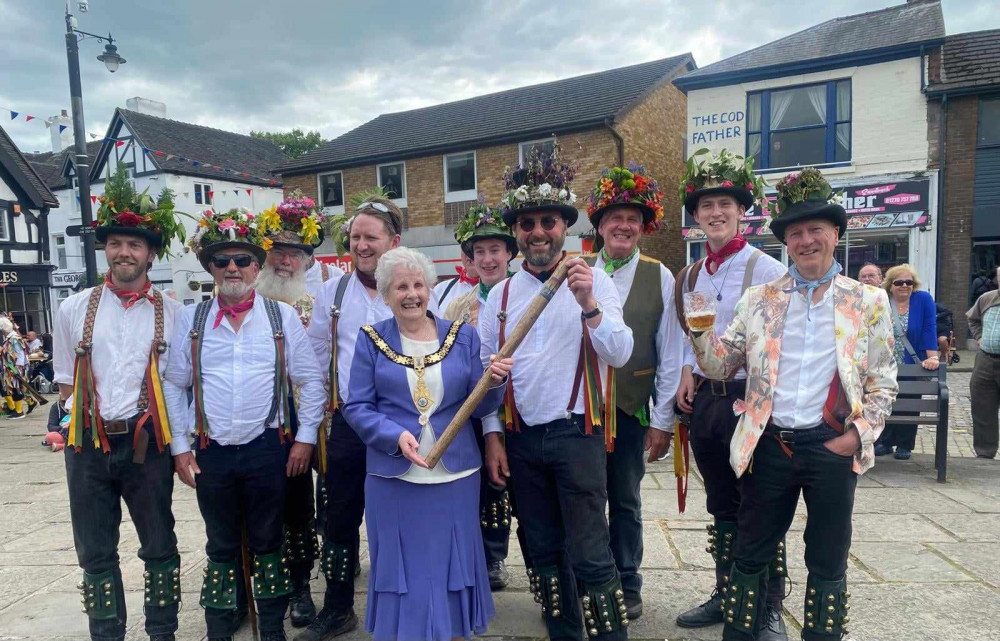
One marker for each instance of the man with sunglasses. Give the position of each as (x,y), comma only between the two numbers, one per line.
(716,193)
(624,205)
(238,353)
(343,305)
(557,430)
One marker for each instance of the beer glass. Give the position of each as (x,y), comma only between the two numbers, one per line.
(699,310)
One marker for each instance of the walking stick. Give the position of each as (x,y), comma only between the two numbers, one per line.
(248,578)
(513,341)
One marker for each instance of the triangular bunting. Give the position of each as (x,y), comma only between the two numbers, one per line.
(145,150)
(196,163)
(92,136)
(48,124)
(211,193)
(119,143)
(248,191)
(170,156)
(187,194)
(93,199)
(158,153)
(29,118)
(62,128)
(13,115)
(236,191)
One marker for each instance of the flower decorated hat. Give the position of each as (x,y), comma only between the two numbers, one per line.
(804,196)
(482,223)
(295,223)
(723,174)
(627,187)
(542,184)
(123,211)
(234,228)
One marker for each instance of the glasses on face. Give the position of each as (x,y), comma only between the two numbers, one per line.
(241,260)
(528,224)
(903,283)
(376,206)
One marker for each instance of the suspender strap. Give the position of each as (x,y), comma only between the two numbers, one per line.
(598,407)
(748,274)
(511,420)
(197,335)
(338,299)
(690,274)
(151,397)
(448,289)
(282,386)
(86,413)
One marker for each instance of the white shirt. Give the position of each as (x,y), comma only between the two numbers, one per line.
(807,362)
(669,341)
(237,369)
(314,276)
(435,386)
(545,362)
(36,345)
(122,341)
(728,280)
(457,290)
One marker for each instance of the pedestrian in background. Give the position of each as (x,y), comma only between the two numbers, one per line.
(984,386)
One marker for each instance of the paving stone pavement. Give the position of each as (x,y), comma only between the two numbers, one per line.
(923,562)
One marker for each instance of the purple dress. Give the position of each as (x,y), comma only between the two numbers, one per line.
(428,568)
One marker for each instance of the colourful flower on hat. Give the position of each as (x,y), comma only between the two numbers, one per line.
(296,213)
(543,179)
(215,227)
(480,215)
(808,184)
(702,171)
(628,185)
(121,205)
(309,231)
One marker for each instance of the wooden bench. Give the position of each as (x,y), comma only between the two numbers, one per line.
(924,391)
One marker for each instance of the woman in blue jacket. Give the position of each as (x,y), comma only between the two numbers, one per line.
(914,320)
(410,375)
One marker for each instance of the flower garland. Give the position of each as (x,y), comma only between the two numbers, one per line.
(808,184)
(725,170)
(237,224)
(631,185)
(480,215)
(543,179)
(122,206)
(297,214)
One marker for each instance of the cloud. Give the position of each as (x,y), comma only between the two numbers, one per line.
(333,65)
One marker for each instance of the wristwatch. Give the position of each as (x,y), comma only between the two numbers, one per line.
(592,313)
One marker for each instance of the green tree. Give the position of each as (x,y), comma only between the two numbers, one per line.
(294,143)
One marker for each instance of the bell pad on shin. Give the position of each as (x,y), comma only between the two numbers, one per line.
(495,514)
(271,576)
(301,544)
(98,595)
(722,541)
(337,563)
(604,609)
(218,588)
(826,608)
(743,600)
(163,583)
(547,589)
(779,566)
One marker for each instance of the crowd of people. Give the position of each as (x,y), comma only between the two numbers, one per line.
(401,397)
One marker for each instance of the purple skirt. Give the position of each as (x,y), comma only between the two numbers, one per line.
(428,577)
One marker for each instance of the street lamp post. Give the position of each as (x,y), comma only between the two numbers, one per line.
(111,60)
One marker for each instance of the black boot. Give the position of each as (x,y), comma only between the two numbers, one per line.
(273,635)
(327,625)
(721,543)
(773,625)
(499,576)
(301,608)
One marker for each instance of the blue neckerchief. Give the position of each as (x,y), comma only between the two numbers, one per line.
(810,286)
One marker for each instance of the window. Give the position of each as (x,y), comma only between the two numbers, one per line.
(59,241)
(989,122)
(202,194)
(798,126)
(460,177)
(543,146)
(331,190)
(392,178)
(4,231)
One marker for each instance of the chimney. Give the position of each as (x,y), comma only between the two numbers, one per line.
(147,106)
(60,140)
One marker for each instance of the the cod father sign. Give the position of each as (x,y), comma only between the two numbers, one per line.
(706,128)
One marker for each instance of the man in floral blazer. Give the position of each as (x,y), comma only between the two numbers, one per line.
(821,378)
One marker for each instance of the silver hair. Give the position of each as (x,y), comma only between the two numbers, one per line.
(406,257)
(6,325)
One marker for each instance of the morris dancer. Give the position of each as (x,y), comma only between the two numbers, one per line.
(624,205)
(109,353)
(818,347)
(717,193)
(560,386)
(14,362)
(240,354)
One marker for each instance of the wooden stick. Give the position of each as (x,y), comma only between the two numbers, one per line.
(512,343)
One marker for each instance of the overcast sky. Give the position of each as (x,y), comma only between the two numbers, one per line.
(331,65)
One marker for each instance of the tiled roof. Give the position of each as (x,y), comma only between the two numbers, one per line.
(226,149)
(18,166)
(907,24)
(50,165)
(970,60)
(539,110)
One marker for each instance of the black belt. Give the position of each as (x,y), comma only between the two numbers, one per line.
(121,426)
(804,436)
(997,356)
(721,388)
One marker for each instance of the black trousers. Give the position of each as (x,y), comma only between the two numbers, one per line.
(770,494)
(98,483)
(626,467)
(300,513)
(496,535)
(559,477)
(345,503)
(243,484)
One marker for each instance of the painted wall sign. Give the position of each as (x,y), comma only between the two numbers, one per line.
(717,126)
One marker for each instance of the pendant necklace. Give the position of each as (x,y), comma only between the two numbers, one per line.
(711,279)
(421,395)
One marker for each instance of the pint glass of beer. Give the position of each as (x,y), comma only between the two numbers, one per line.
(699,310)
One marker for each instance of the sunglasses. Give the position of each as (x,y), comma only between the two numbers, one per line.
(528,224)
(241,260)
(903,283)
(376,206)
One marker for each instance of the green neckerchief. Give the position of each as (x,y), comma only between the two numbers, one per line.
(484,289)
(611,265)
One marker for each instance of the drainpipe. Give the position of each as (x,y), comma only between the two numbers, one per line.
(942,156)
(619,142)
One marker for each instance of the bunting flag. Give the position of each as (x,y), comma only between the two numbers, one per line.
(62,128)
(13,115)
(93,199)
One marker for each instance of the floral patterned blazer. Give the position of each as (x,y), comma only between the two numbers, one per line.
(865,362)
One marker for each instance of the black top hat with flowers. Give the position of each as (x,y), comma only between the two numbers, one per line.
(804,196)
(632,187)
(542,184)
(295,223)
(723,174)
(123,211)
(236,228)
(483,222)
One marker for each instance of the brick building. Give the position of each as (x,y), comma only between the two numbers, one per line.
(964,120)
(437,159)
(846,96)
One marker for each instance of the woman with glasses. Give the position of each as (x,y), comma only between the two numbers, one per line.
(914,322)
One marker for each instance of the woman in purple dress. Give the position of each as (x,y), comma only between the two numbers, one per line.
(410,375)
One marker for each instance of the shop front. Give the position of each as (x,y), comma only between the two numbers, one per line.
(887,224)
(24,296)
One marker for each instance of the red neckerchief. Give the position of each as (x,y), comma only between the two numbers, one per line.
(128,298)
(234,310)
(715,259)
(542,276)
(368,280)
(464,277)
